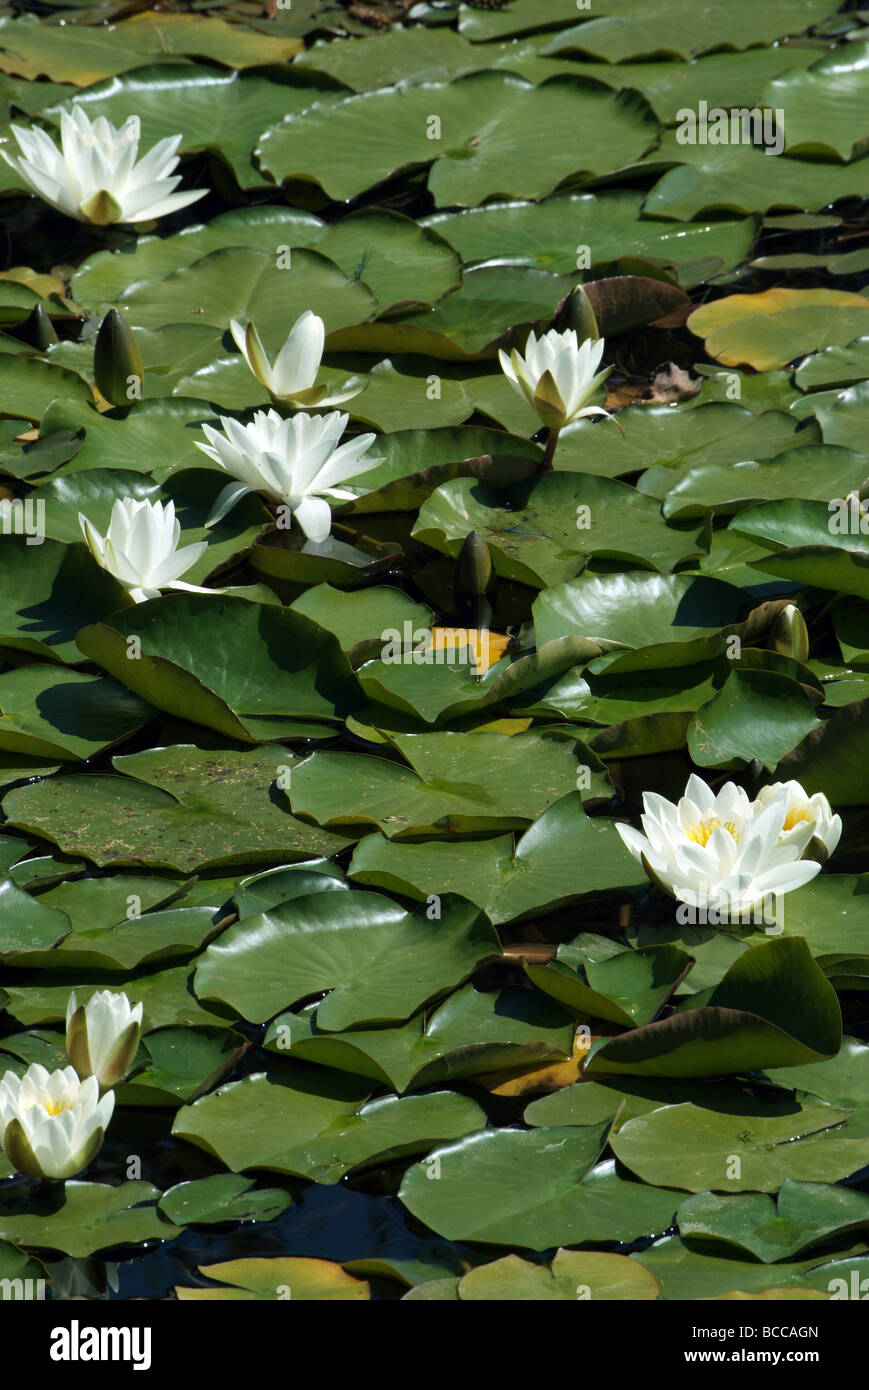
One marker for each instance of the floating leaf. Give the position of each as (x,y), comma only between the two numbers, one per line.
(773,1007)
(80,1218)
(805,1214)
(490,122)
(289,1126)
(470,1033)
(262,1280)
(380,962)
(749,1147)
(770,329)
(180,808)
(546,533)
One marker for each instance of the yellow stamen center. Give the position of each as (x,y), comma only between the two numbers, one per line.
(55,1107)
(703,830)
(794,817)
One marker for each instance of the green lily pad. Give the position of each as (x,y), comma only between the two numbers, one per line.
(237,283)
(684,29)
(746,1148)
(842,415)
(834,366)
(536,1174)
(15,1265)
(279,668)
(395,401)
(288,556)
(683,1273)
(181,1064)
(628,988)
(86,54)
(488,123)
(618,1099)
(491,308)
(166,995)
(805,1214)
(814,474)
(219,112)
(28,924)
(415,462)
(359,619)
(669,442)
(773,1007)
(158,936)
(155,437)
(83,1217)
(286,1125)
(742,179)
(47,593)
(720,79)
(545,533)
(380,962)
(259,892)
(104,276)
(431,691)
(350,790)
(832,758)
(605,1204)
(842,1080)
(466,867)
(52,714)
(823,106)
(28,386)
(573,1274)
(668,620)
(179,808)
(564,856)
(470,1033)
(418,53)
(224,1197)
(549,234)
(756,714)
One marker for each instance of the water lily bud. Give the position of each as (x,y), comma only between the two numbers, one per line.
(473,570)
(118,368)
(473,580)
(754,772)
(102,1036)
(577,313)
(789,634)
(38,329)
(52,1124)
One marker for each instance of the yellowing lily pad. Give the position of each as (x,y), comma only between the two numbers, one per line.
(770,329)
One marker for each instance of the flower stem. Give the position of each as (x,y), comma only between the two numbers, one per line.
(546,466)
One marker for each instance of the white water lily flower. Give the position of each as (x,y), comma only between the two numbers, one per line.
(291,379)
(51,1124)
(803,809)
(102,1036)
(557,375)
(297,462)
(140,548)
(720,851)
(94,176)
